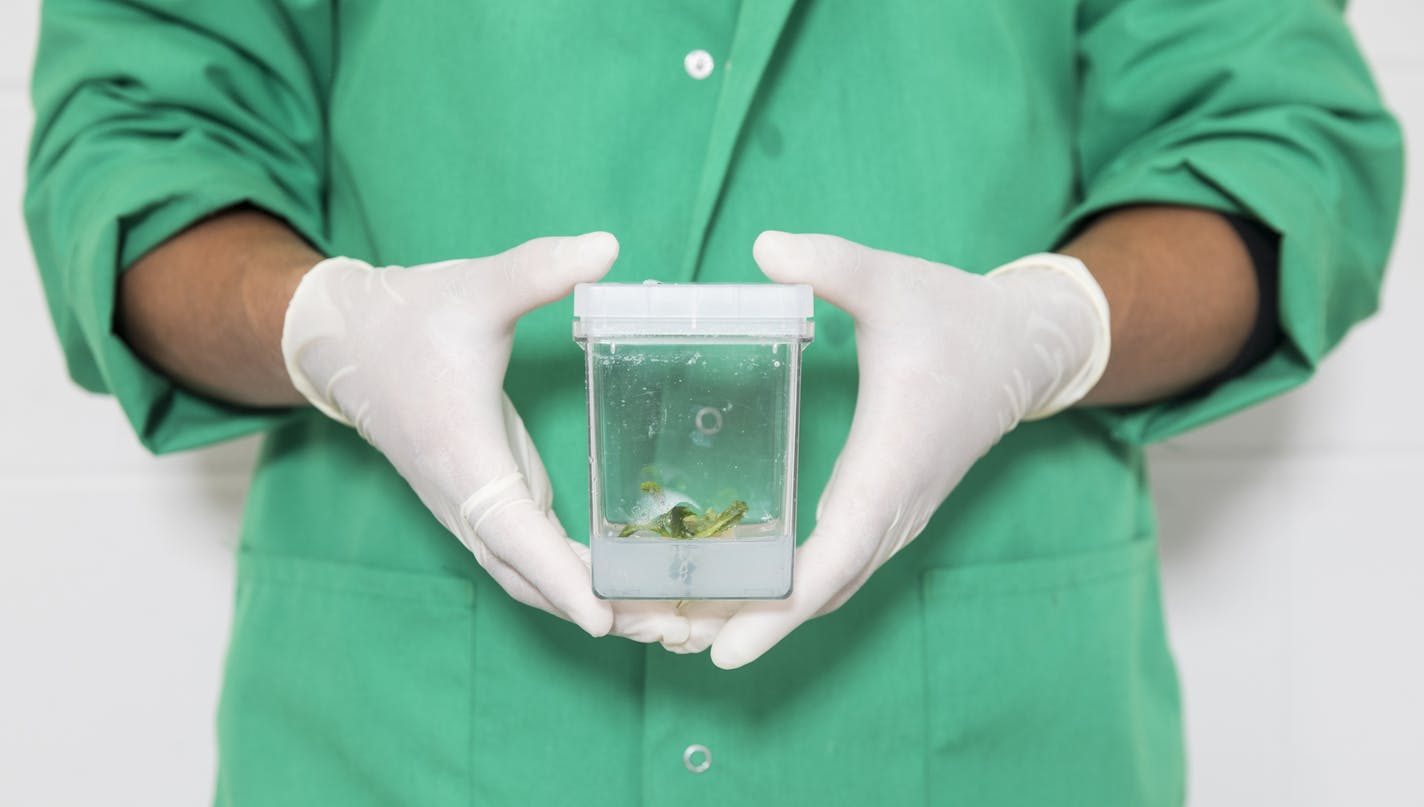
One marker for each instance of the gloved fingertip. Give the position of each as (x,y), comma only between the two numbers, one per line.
(677,633)
(694,645)
(768,239)
(774,251)
(728,658)
(682,649)
(597,624)
(599,248)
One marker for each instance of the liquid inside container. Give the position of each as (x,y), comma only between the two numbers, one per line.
(693,402)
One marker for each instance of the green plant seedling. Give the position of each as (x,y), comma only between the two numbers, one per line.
(683,522)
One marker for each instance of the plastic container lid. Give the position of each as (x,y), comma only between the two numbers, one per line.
(617,310)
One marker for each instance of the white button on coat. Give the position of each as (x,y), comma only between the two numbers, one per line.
(698,64)
(697,758)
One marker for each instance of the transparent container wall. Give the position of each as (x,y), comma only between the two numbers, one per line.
(693,458)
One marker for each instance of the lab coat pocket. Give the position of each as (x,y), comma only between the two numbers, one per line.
(346,684)
(1049,682)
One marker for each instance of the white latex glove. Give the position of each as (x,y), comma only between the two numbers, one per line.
(414,358)
(949,362)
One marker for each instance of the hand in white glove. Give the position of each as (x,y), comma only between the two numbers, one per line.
(949,362)
(414,359)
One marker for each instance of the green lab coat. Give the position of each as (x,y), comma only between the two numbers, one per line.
(1014,654)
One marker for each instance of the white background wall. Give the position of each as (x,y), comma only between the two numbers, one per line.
(1293,549)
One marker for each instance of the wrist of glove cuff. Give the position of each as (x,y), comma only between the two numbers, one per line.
(1096,303)
(313,314)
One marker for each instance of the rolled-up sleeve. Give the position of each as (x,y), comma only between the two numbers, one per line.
(150,116)
(1260,108)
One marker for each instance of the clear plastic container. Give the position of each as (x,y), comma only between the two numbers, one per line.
(693,403)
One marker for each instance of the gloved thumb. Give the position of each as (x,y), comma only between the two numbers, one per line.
(543,270)
(834,267)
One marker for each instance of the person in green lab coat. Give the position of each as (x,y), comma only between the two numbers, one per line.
(192,163)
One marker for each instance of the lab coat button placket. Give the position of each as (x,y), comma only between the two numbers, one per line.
(697,758)
(698,64)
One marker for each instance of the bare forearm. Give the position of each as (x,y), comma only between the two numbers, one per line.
(206,306)
(1183,297)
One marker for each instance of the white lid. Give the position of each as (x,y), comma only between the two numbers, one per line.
(692,309)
